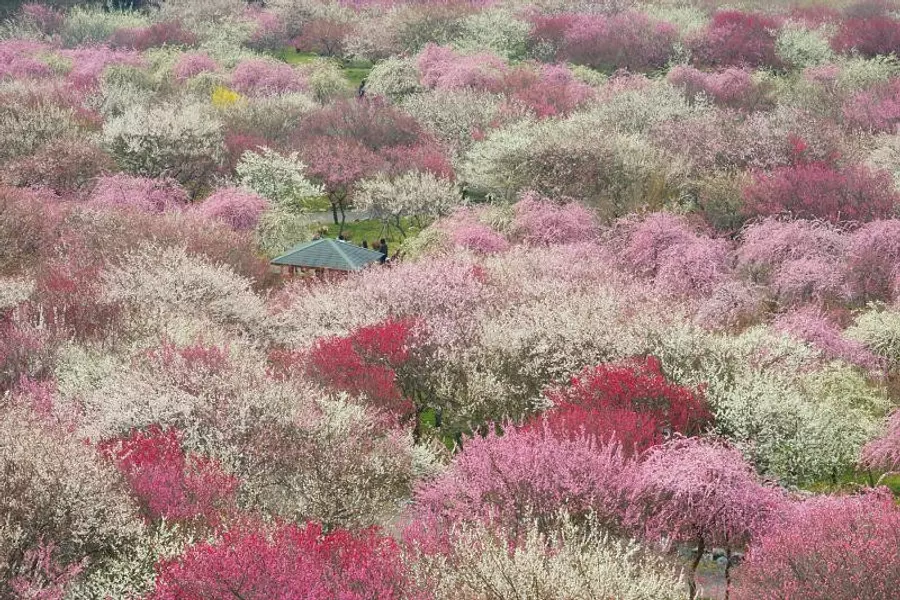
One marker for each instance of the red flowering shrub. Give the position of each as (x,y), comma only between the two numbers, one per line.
(827,548)
(363,364)
(633,403)
(868,35)
(818,190)
(168,33)
(168,483)
(291,562)
(735,38)
(626,40)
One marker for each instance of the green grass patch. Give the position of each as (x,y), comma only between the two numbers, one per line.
(854,480)
(370,230)
(316,204)
(354,70)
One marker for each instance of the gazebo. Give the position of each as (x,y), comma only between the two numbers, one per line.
(327,254)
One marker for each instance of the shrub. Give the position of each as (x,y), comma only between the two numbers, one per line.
(442,68)
(528,474)
(280,179)
(540,222)
(873,253)
(870,36)
(140,193)
(168,483)
(191,64)
(291,561)
(571,563)
(879,331)
(801,47)
(883,453)
(394,78)
(159,34)
(411,194)
(821,191)
(632,404)
(550,91)
(234,207)
(735,38)
(64,166)
(183,142)
(815,328)
(56,491)
(323,36)
(627,40)
(875,110)
(258,77)
(730,87)
(828,547)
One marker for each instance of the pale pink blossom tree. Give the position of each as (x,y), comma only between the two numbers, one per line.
(701,492)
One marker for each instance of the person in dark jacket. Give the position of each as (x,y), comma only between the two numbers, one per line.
(365,244)
(382,247)
(361,92)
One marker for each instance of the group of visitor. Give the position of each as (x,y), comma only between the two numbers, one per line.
(381,247)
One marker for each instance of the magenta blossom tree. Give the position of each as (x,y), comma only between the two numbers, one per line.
(701,492)
(827,548)
(235,207)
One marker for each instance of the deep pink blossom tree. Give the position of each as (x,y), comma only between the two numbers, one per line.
(443,68)
(547,91)
(870,35)
(167,482)
(735,38)
(251,563)
(731,87)
(632,403)
(827,548)
(811,325)
(875,110)
(818,190)
(700,492)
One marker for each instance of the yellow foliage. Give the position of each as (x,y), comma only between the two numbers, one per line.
(222,97)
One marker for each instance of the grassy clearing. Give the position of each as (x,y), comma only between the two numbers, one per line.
(370,230)
(354,70)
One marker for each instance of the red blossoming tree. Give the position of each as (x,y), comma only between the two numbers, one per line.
(633,403)
(167,482)
(291,562)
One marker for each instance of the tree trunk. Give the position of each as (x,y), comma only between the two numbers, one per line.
(400,227)
(343,220)
(692,576)
(727,572)
(334,208)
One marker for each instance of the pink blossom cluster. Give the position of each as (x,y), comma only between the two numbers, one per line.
(193,63)
(465,231)
(875,110)
(814,327)
(665,248)
(736,38)
(825,548)
(169,33)
(883,453)
(234,207)
(442,68)
(259,77)
(18,60)
(138,193)
(625,40)
(541,222)
(88,64)
(732,87)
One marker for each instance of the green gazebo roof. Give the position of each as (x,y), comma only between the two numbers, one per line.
(327,253)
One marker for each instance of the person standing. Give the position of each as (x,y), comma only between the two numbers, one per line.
(365,244)
(382,247)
